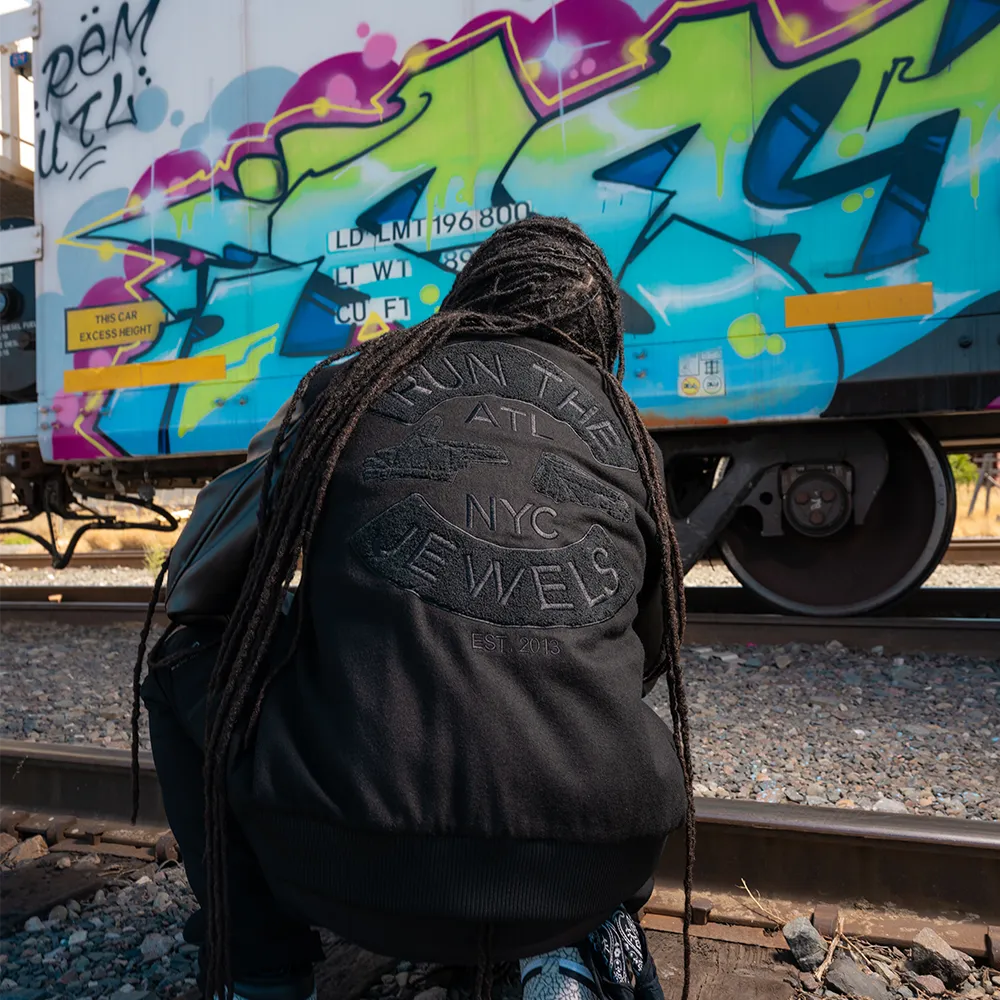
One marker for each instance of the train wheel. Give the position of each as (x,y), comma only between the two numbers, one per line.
(842,568)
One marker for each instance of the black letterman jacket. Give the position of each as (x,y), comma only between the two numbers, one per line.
(460,731)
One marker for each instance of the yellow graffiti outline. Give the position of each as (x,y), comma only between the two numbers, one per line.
(96,398)
(78,427)
(413,65)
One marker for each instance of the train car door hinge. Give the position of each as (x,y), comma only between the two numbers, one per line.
(18,245)
(23,23)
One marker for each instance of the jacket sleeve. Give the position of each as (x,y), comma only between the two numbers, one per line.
(211,558)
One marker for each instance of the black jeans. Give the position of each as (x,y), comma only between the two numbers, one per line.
(265,939)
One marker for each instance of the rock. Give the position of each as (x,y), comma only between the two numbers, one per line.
(99,897)
(809,982)
(845,977)
(161,901)
(793,795)
(74,906)
(887,972)
(805,943)
(770,795)
(931,954)
(33,925)
(64,863)
(782,661)
(155,946)
(434,993)
(77,937)
(817,800)
(928,984)
(27,850)
(889,806)
(58,913)
(7,842)
(6,985)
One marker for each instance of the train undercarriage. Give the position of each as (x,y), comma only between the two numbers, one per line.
(825,518)
(828,519)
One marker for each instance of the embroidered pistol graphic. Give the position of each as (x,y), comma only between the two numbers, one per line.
(425,456)
(561,480)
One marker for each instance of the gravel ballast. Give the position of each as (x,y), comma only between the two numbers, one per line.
(827,725)
(796,723)
(123,943)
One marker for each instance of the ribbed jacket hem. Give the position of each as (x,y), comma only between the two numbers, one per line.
(464,878)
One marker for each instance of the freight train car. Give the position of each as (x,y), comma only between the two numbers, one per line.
(800,200)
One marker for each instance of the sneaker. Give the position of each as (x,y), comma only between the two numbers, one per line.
(285,988)
(558,975)
(619,956)
(268,988)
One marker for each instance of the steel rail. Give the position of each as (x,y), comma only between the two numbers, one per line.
(973,552)
(927,602)
(80,781)
(123,558)
(961,551)
(969,636)
(931,620)
(801,858)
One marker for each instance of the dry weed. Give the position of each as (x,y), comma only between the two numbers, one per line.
(979,524)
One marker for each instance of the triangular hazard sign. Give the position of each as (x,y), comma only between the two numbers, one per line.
(373,326)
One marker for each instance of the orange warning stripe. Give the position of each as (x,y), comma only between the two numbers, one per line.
(208,367)
(883,302)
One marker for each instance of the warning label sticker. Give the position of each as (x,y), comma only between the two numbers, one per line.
(701,374)
(110,326)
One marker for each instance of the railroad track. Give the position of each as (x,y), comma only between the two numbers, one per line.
(973,552)
(933,619)
(907,870)
(122,558)
(962,551)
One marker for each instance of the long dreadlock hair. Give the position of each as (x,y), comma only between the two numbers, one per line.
(541,278)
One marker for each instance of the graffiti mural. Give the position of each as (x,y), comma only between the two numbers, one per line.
(789,196)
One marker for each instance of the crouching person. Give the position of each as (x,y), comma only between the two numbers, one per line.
(436,744)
